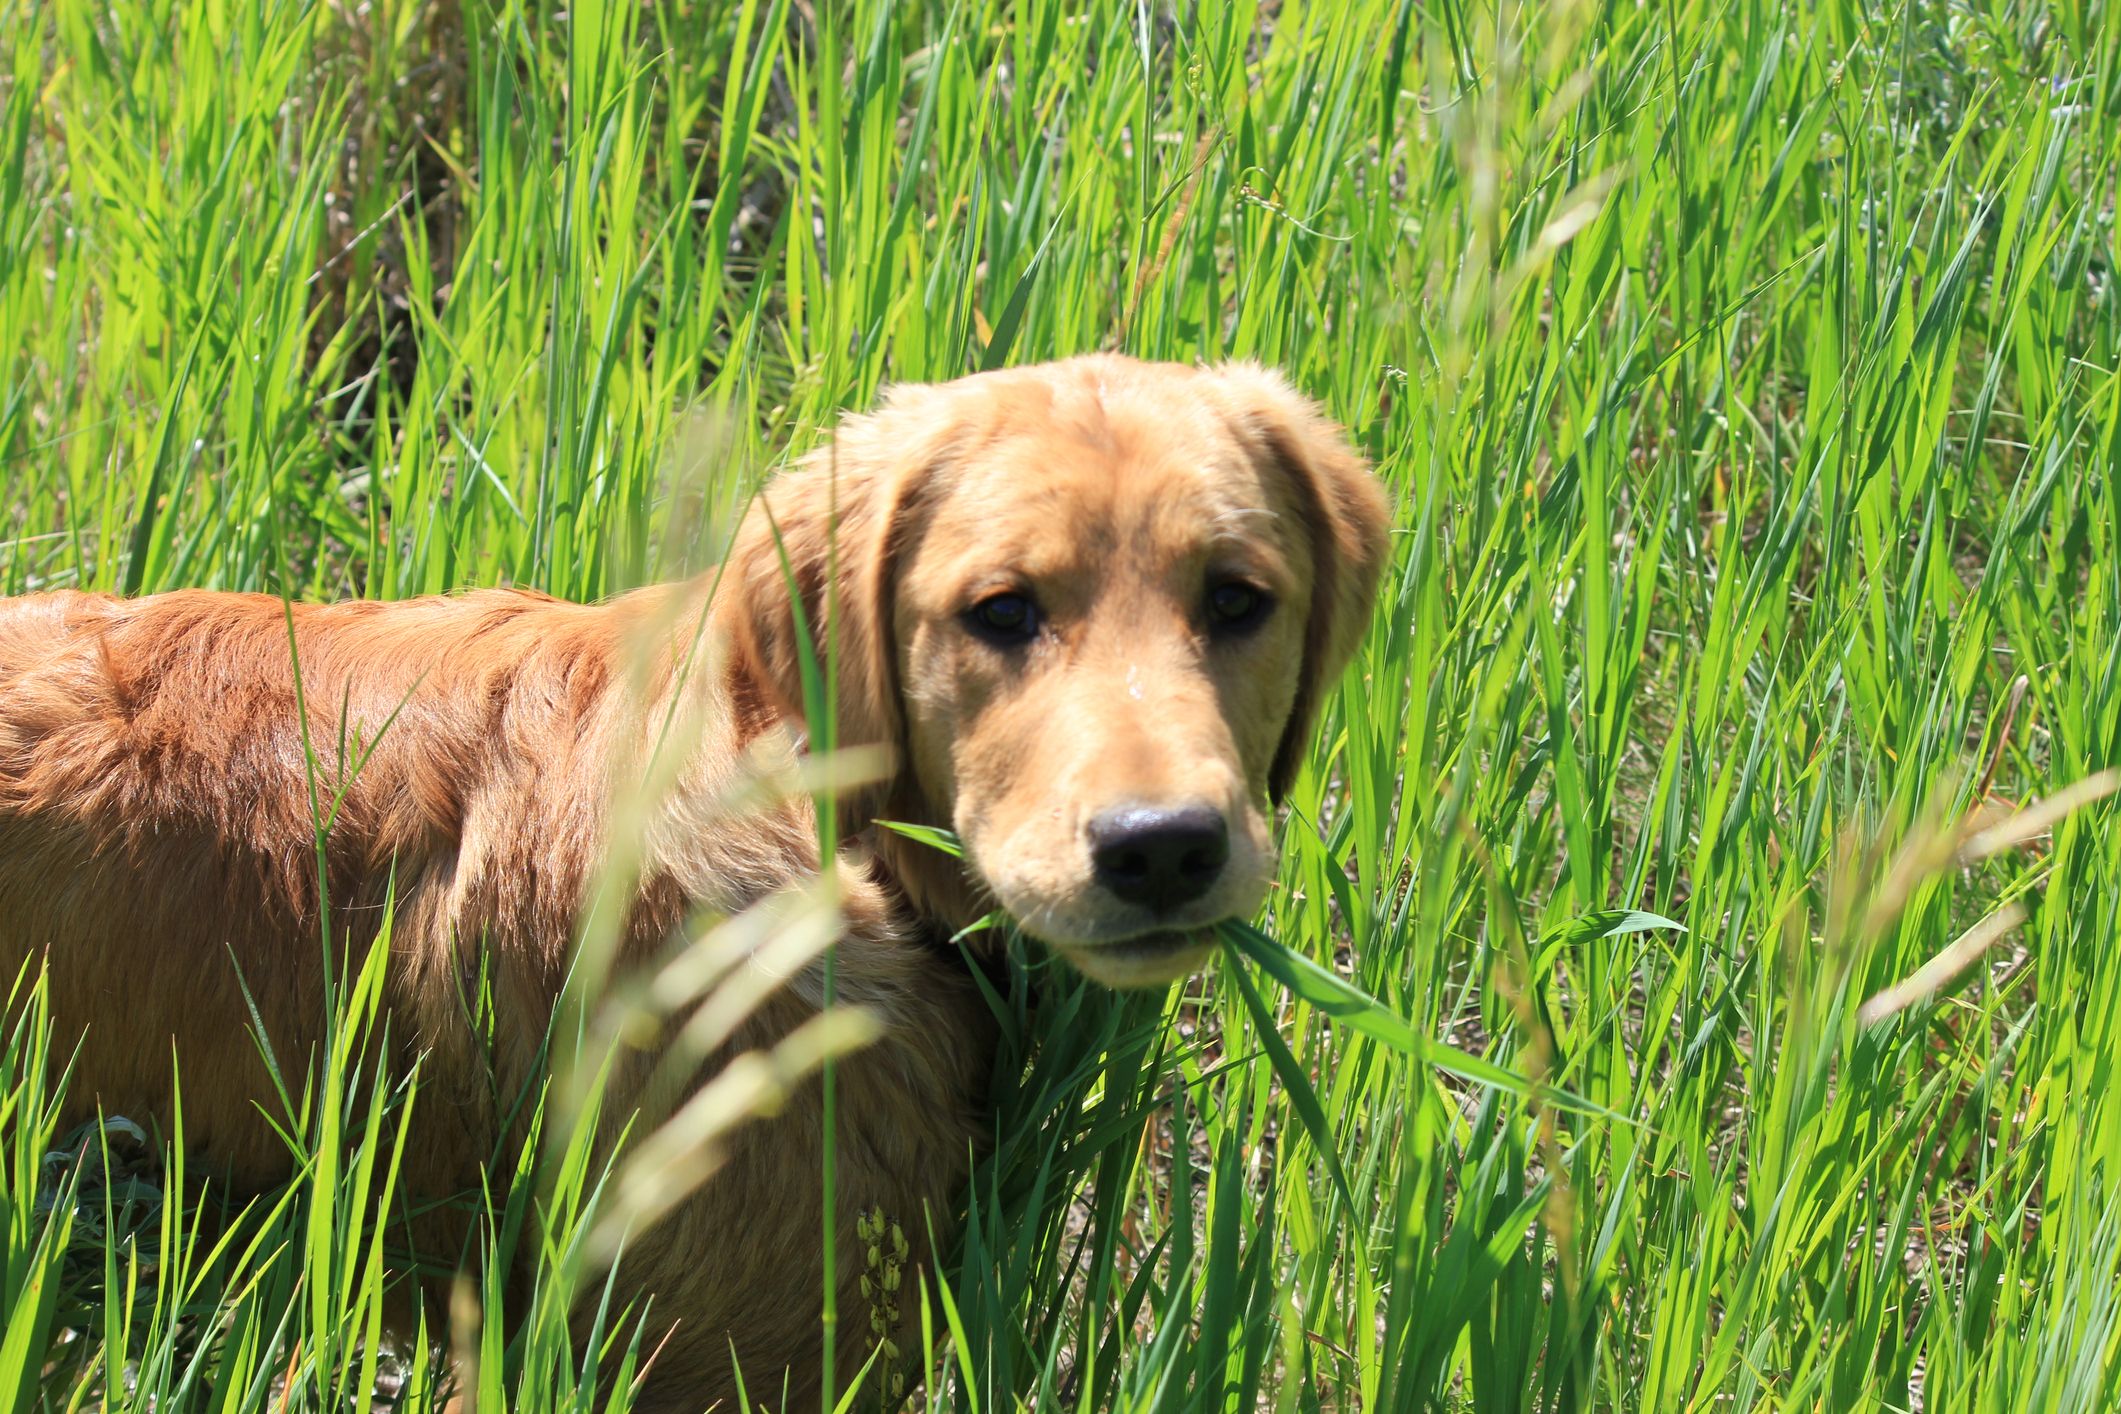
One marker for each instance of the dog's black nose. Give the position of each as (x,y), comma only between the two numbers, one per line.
(1160,857)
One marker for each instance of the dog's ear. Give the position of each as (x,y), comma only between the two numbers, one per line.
(815,564)
(1348,519)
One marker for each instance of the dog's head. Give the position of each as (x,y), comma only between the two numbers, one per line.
(1092,607)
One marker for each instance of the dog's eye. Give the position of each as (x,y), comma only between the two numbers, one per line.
(1005,619)
(1235,606)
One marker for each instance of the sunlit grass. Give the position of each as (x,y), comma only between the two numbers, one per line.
(1746,379)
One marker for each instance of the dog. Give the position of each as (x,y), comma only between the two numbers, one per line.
(1088,611)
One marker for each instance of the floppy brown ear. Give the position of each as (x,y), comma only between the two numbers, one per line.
(1349,520)
(816,561)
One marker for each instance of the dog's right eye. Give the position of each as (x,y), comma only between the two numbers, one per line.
(1004,619)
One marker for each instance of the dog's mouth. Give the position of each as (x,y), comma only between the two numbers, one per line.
(1153,945)
(1154,959)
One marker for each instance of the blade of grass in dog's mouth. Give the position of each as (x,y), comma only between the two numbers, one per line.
(1348,1005)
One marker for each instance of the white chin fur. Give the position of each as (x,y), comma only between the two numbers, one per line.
(1156,960)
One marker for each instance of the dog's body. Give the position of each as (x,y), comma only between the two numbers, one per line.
(1054,594)
(165,746)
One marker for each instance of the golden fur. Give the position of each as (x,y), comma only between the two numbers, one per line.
(156,830)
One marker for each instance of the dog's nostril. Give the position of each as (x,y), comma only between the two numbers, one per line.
(1160,857)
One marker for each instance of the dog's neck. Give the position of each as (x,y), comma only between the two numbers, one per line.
(937,888)
(935,893)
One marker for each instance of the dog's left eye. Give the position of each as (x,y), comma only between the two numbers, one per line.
(1005,619)
(1234,606)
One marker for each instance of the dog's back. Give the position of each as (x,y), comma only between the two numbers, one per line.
(161,804)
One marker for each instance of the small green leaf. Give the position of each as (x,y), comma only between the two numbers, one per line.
(1600,923)
(996,919)
(929,835)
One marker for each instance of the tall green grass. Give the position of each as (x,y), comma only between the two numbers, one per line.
(1746,377)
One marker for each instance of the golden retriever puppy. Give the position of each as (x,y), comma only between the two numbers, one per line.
(1089,609)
